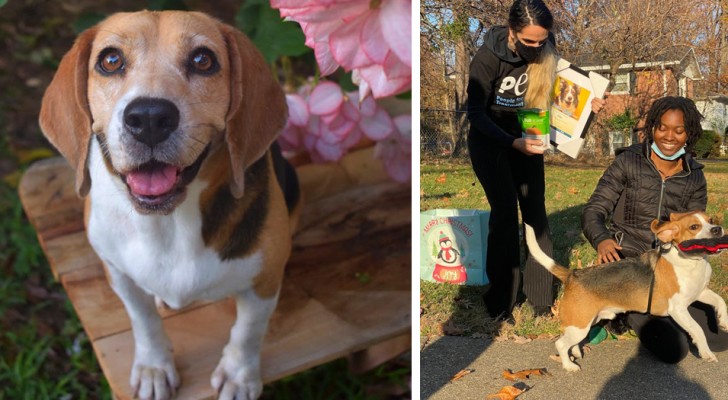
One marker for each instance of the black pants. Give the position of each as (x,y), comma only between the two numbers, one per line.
(512,179)
(670,343)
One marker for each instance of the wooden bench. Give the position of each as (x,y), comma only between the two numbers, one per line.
(346,288)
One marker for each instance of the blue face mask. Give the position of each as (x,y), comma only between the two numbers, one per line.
(673,157)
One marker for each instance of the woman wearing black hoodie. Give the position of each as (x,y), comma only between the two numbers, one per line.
(515,68)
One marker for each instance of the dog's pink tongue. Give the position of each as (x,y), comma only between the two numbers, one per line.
(152,182)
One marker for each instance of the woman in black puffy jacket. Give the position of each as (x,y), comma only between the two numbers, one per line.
(649,181)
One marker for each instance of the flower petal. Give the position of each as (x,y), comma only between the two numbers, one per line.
(378,126)
(344,44)
(297,110)
(396,25)
(371,39)
(380,84)
(326,98)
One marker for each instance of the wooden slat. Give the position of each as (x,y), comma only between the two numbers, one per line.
(346,287)
(49,199)
(69,253)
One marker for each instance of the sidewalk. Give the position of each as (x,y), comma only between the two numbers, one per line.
(613,369)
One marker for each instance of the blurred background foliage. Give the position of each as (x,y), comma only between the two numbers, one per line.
(44,353)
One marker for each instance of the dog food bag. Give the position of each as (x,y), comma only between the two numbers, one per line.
(535,124)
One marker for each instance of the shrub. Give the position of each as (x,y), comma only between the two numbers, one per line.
(708,145)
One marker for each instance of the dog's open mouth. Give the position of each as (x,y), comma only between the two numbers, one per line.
(153,180)
(158,186)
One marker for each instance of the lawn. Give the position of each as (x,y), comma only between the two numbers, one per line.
(459,310)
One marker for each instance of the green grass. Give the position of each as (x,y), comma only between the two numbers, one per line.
(44,353)
(451,309)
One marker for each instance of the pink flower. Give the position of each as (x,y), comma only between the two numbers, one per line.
(291,138)
(370,38)
(327,122)
(396,152)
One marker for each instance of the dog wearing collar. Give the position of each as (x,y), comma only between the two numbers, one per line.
(662,282)
(169,119)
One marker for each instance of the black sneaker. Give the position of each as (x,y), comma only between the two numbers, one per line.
(542,311)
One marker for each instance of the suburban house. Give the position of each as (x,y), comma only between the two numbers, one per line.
(637,85)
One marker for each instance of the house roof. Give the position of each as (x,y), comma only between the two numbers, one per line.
(680,59)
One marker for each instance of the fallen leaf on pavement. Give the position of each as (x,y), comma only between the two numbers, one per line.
(461,374)
(509,392)
(524,374)
(451,330)
(521,340)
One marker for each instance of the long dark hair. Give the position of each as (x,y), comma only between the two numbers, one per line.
(529,12)
(542,73)
(691,117)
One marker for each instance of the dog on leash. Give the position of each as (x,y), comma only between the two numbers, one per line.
(568,97)
(169,119)
(662,282)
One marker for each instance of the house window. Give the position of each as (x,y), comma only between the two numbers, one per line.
(682,87)
(618,139)
(622,83)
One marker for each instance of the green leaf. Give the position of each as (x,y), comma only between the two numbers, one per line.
(270,34)
(3,2)
(347,84)
(159,5)
(86,21)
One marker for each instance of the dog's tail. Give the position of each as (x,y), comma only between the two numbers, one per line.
(559,271)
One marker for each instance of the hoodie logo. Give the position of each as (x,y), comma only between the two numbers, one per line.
(518,86)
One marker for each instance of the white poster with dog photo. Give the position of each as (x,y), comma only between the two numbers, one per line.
(571,111)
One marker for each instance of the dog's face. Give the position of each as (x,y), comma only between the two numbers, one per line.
(685,226)
(164,91)
(569,94)
(158,98)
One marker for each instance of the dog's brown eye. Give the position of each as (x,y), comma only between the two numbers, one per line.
(694,227)
(110,61)
(203,62)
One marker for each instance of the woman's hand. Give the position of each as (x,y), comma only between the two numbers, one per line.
(607,251)
(528,147)
(597,104)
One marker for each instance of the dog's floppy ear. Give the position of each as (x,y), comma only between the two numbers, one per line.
(257,110)
(665,231)
(65,117)
(677,216)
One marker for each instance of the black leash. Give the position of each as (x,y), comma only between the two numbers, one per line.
(649,298)
(664,248)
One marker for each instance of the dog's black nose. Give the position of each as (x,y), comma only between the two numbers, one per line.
(716,231)
(151,121)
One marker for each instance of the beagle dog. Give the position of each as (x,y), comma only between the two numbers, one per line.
(169,119)
(662,282)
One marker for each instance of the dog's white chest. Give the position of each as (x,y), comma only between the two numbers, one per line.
(693,275)
(164,255)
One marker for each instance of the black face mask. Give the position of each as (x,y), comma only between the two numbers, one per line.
(529,54)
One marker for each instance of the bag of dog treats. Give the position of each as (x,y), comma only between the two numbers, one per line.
(535,124)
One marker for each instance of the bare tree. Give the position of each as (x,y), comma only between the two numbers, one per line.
(605,32)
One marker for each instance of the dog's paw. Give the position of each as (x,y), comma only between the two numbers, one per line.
(576,352)
(237,378)
(154,381)
(708,356)
(723,325)
(571,367)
